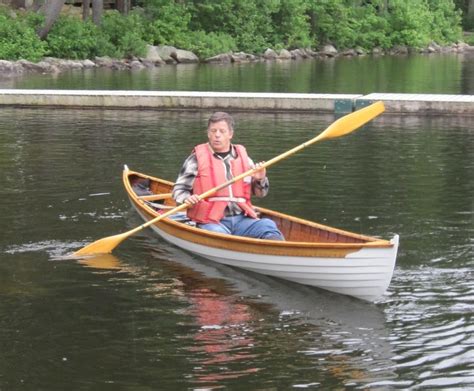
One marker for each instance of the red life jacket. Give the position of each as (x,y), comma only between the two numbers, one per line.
(212,173)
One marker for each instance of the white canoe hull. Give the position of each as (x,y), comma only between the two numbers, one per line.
(364,274)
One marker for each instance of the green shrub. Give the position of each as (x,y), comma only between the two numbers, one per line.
(206,45)
(447,20)
(18,39)
(410,23)
(72,38)
(124,33)
(167,22)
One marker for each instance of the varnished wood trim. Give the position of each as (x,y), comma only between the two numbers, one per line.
(155,197)
(257,246)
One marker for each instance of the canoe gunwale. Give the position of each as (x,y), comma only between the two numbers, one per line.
(231,240)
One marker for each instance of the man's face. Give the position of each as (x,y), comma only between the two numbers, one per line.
(219,135)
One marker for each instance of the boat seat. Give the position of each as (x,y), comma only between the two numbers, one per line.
(180,217)
(155,197)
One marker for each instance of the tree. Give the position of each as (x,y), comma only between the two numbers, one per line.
(50,9)
(470,14)
(97,11)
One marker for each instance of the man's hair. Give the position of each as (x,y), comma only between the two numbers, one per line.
(221,116)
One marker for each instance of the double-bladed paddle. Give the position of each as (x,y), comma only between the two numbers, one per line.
(340,127)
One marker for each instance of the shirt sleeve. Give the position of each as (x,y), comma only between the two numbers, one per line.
(260,187)
(183,187)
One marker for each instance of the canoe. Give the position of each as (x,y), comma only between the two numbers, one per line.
(313,254)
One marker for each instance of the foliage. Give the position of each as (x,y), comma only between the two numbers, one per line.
(292,27)
(446,21)
(123,35)
(209,27)
(18,39)
(207,45)
(166,22)
(74,39)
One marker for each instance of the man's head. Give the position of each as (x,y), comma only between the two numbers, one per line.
(220,129)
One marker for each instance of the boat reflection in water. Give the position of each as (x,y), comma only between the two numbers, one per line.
(245,323)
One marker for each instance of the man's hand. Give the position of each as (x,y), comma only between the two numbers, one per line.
(261,172)
(192,200)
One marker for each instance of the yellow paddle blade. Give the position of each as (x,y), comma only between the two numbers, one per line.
(353,121)
(102,246)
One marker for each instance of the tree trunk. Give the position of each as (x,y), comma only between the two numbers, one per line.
(86,9)
(97,10)
(469,19)
(470,9)
(50,9)
(123,6)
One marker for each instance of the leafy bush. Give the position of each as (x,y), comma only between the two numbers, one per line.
(410,23)
(124,33)
(72,38)
(206,45)
(18,39)
(447,19)
(167,22)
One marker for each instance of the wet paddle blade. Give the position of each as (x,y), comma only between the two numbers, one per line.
(352,121)
(102,246)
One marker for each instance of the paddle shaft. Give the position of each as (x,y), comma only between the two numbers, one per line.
(336,129)
(340,127)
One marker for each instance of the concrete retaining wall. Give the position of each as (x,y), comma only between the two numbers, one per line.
(235,101)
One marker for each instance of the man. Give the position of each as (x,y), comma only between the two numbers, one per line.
(229,210)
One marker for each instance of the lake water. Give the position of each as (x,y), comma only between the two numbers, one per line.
(151,316)
(436,74)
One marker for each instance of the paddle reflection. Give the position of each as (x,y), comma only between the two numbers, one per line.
(101,261)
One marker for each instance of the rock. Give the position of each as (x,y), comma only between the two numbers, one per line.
(360,51)
(152,55)
(31,66)
(297,53)
(135,65)
(377,51)
(184,56)
(71,64)
(148,63)
(270,54)
(222,58)
(167,53)
(242,57)
(399,49)
(10,68)
(48,67)
(88,64)
(433,47)
(310,52)
(120,65)
(329,51)
(349,52)
(104,61)
(284,55)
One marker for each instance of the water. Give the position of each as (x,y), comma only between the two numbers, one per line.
(437,74)
(154,317)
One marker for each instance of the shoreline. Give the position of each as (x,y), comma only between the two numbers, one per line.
(158,56)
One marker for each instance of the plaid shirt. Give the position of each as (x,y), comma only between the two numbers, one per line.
(183,187)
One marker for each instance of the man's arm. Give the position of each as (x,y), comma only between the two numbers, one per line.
(261,186)
(183,187)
